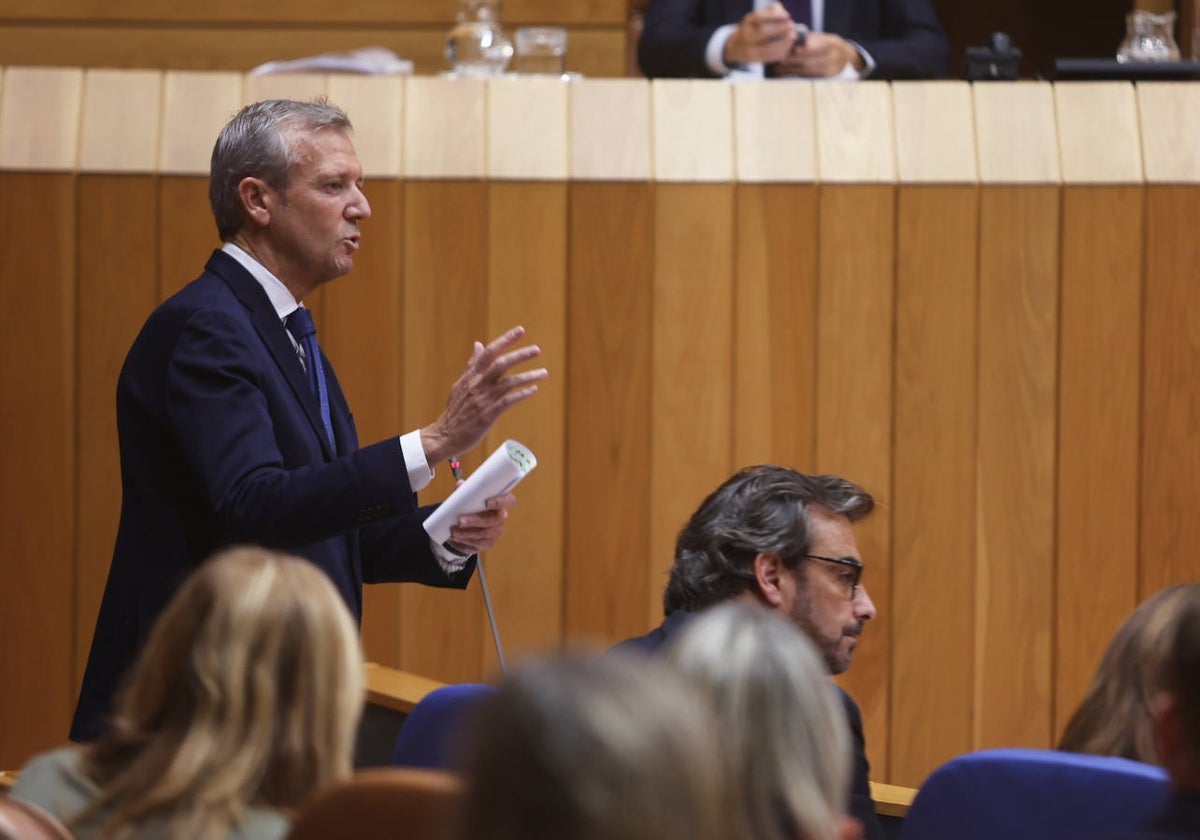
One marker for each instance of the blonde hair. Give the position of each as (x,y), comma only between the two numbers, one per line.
(785,735)
(1115,716)
(248,693)
(607,748)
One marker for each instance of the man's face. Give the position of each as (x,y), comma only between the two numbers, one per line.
(817,597)
(313,229)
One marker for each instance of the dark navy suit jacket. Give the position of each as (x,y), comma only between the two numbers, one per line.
(1179,819)
(862,806)
(903,36)
(221,443)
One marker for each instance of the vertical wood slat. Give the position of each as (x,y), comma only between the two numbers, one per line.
(361,330)
(609,134)
(120,130)
(691,363)
(527,128)
(856,292)
(775,131)
(608,445)
(300,86)
(775,325)
(934,538)
(37,484)
(375,105)
(445,311)
(692,130)
(195,107)
(1170,403)
(855,136)
(527,284)
(39,119)
(444,122)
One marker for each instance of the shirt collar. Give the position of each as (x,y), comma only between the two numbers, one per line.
(281,299)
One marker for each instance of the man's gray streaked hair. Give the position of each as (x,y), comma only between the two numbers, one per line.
(254,145)
(764,508)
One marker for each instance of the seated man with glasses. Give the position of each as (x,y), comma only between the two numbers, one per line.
(781,539)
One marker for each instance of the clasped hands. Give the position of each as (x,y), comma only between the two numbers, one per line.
(771,36)
(485,390)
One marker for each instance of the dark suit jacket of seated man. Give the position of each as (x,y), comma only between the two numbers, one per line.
(226,435)
(783,540)
(898,39)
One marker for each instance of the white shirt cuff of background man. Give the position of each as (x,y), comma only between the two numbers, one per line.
(714,55)
(419,476)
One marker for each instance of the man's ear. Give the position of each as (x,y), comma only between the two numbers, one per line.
(768,575)
(256,199)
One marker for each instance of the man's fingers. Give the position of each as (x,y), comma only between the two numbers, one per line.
(502,364)
(498,345)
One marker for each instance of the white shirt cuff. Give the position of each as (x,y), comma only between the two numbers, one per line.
(450,562)
(419,471)
(714,53)
(848,72)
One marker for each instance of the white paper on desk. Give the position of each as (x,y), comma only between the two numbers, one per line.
(498,474)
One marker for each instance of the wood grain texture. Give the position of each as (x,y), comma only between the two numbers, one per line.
(187,233)
(855,138)
(593,51)
(1170,400)
(196,107)
(775,326)
(1169,114)
(122,111)
(527,285)
(692,129)
(609,136)
(445,311)
(856,299)
(1012,150)
(37,484)
(300,86)
(361,330)
(527,128)
(691,363)
(608,444)
(375,104)
(440,12)
(39,118)
(445,122)
(1098,133)
(775,126)
(935,133)
(935,419)
(117,289)
(1099,396)
(1018,336)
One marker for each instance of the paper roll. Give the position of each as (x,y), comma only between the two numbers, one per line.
(510,463)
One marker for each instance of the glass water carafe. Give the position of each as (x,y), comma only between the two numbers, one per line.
(477,45)
(1149,37)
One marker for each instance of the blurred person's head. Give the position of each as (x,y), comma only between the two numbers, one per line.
(1115,717)
(248,693)
(1177,706)
(783,730)
(784,540)
(607,748)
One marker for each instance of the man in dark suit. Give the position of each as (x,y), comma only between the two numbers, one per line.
(848,39)
(1177,733)
(232,425)
(783,540)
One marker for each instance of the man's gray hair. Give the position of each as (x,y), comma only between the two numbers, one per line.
(759,509)
(253,145)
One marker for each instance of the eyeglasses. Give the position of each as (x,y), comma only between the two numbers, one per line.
(855,577)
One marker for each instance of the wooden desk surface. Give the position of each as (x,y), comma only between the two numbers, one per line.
(397,690)
(892,800)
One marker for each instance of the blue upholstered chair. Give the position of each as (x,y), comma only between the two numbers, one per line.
(431,735)
(1021,794)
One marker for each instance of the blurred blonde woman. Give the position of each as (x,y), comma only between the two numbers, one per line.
(1116,715)
(782,727)
(609,748)
(244,701)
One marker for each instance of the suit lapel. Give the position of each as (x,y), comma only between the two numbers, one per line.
(274,337)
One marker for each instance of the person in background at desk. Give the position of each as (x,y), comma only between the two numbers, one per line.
(746,39)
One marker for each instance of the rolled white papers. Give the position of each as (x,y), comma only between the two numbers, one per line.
(498,474)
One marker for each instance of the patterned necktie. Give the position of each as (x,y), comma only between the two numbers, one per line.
(300,325)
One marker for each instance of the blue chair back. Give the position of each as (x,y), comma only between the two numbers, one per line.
(1027,794)
(431,735)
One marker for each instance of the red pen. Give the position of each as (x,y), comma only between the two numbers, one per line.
(456,468)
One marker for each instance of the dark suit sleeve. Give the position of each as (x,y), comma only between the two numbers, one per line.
(231,431)
(862,806)
(398,551)
(674,38)
(909,44)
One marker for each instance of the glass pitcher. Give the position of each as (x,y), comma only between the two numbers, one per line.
(1149,37)
(477,46)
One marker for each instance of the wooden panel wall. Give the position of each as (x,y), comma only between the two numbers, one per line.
(985,321)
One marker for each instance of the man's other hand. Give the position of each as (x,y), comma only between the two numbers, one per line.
(766,35)
(481,395)
(822,55)
(476,532)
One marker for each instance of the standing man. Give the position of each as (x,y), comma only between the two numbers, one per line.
(783,540)
(844,39)
(232,425)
